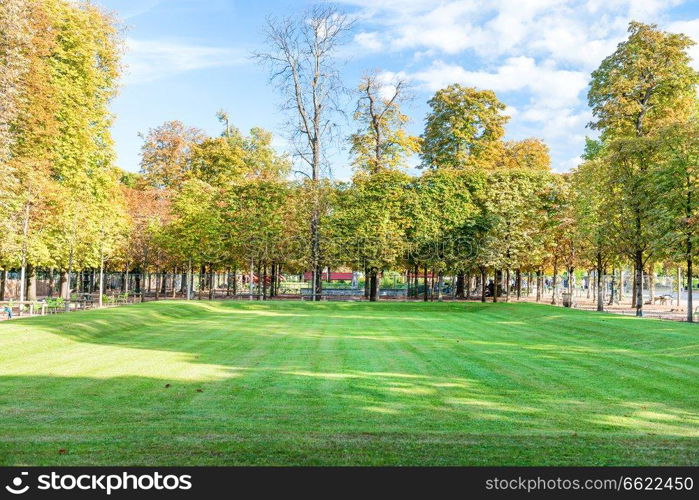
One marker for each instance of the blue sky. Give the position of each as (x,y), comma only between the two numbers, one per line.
(186,59)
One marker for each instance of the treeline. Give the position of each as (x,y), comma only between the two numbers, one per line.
(482,208)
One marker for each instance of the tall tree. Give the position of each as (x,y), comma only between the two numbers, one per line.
(16,33)
(381,142)
(678,178)
(646,83)
(302,56)
(464,127)
(166,153)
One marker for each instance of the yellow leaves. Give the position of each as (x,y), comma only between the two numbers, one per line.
(381,141)
(532,154)
(463,127)
(645,79)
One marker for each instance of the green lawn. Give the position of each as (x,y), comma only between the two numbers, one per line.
(177,383)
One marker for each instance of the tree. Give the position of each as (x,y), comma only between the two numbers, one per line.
(678,178)
(372,218)
(166,153)
(646,83)
(217,160)
(530,154)
(16,33)
(193,234)
(464,127)
(302,59)
(594,200)
(59,105)
(381,142)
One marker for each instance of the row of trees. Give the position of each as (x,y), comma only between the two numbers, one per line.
(59,64)
(482,206)
(640,177)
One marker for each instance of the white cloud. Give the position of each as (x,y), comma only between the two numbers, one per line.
(149,60)
(552,87)
(369,41)
(552,111)
(691,29)
(539,53)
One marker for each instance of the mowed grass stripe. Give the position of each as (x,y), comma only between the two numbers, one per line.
(347,383)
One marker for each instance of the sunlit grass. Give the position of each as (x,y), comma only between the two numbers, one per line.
(347,383)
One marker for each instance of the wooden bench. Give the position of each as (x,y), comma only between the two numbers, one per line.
(662,299)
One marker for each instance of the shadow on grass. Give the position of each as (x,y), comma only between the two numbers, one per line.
(263,380)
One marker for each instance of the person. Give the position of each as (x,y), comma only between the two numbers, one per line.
(8,311)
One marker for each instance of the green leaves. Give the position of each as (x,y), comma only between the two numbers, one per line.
(646,83)
(464,127)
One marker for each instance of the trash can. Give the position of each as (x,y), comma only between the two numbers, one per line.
(567,299)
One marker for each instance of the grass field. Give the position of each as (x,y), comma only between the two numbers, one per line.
(177,383)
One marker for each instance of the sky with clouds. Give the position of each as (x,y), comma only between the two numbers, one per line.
(186,59)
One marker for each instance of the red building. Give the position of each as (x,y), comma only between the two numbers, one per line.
(307,276)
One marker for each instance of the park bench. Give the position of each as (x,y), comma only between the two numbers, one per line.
(662,299)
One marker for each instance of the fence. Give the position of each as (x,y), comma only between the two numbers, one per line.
(16,309)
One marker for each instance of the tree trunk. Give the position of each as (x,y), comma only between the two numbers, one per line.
(460,285)
(612,290)
(157,283)
(539,284)
(277,285)
(507,284)
(497,284)
(174,282)
(252,275)
(31,283)
(425,298)
(468,285)
(440,287)
(690,311)
(273,283)
(484,278)
(163,283)
(264,281)
(599,287)
(518,283)
(373,287)
(101,281)
(639,283)
(3,283)
(553,282)
(65,285)
(367,283)
(571,283)
(202,276)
